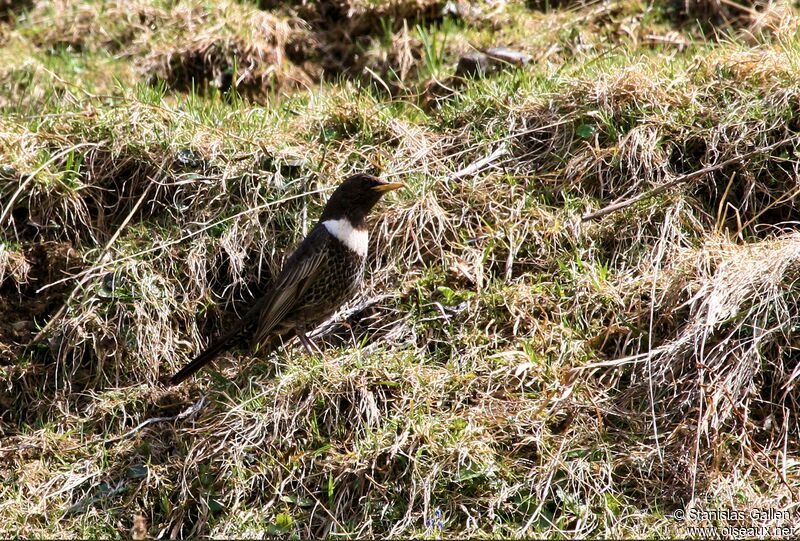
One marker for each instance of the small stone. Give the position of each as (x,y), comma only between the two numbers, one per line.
(189,159)
(472,64)
(7,171)
(510,56)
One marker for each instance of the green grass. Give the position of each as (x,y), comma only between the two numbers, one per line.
(479,390)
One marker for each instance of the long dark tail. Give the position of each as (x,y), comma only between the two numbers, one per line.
(217,346)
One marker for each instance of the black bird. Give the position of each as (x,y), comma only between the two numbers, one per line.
(324,271)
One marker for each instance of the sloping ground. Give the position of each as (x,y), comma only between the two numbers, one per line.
(514,367)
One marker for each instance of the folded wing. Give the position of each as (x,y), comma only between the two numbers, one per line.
(299,272)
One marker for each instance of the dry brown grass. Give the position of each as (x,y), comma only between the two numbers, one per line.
(228,47)
(728,369)
(753,21)
(14,267)
(112,25)
(508,371)
(720,332)
(372,410)
(777,19)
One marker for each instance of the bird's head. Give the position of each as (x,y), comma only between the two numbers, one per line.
(355,197)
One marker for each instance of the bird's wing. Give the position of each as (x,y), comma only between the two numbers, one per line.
(299,271)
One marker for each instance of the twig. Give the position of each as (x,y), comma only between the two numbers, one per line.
(73,484)
(633,359)
(750,11)
(479,165)
(188,412)
(681,180)
(353,308)
(549,483)
(18,448)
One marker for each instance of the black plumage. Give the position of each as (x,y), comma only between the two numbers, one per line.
(323,272)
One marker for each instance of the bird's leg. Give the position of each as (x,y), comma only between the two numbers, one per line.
(306,343)
(310,346)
